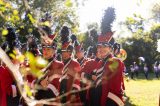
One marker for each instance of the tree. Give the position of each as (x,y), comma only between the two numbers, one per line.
(90,37)
(155,10)
(134,23)
(93,25)
(141,44)
(155,35)
(30,13)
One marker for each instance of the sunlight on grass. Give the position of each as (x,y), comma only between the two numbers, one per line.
(142,92)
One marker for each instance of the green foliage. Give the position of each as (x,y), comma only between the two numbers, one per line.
(141,43)
(155,10)
(155,31)
(68,3)
(93,25)
(81,37)
(25,16)
(135,23)
(90,38)
(36,64)
(27,90)
(87,40)
(61,11)
(4,32)
(8,14)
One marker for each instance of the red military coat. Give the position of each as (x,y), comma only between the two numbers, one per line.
(89,69)
(90,65)
(73,68)
(31,80)
(112,79)
(55,70)
(82,61)
(6,87)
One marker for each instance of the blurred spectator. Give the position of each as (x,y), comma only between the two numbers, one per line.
(136,68)
(146,71)
(132,71)
(156,69)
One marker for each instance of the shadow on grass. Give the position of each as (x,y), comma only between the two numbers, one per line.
(128,102)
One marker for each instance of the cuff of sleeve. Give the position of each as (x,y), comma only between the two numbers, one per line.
(14,91)
(53,88)
(82,75)
(88,76)
(76,86)
(33,83)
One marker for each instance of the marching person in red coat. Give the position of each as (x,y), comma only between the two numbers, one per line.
(55,68)
(109,74)
(9,91)
(70,76)
(81,60)
(9,95)
(88,72)
(32,47)
(49,83)
(80,55)
(6,80)
(1,68)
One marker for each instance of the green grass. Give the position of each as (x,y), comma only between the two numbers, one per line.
(142,92)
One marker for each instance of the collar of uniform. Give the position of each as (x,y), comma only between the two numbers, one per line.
(79,60)
(97,59)
(107,57)
(66,61)
(49,60)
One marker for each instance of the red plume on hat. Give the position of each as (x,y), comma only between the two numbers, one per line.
(65,39)
(48,40)
(106,25)
(105,38)
(79,48)
(67,47)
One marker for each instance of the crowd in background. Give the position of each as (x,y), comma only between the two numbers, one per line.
(134,70)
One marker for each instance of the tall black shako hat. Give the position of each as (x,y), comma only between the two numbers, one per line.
(91,51)
(77,45)
(106,36)
(67,47)
(11,41)
(65,40)
(12,38)
(116,48)
(64,33)
(79,48)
